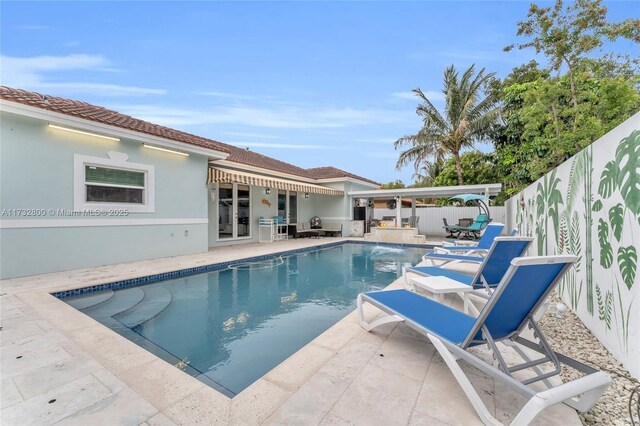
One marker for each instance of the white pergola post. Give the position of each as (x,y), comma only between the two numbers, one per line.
(413,208)
(398,211)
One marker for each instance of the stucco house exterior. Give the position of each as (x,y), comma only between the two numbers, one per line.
(81,185)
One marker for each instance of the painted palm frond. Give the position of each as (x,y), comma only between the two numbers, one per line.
(576,178)
(628,263)
(628,164)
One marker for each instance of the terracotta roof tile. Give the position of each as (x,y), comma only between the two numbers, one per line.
(332,172)
(105,116)
(251,158)
(113,118)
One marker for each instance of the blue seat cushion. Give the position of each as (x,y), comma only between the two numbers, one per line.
(438,256)
(434,271)
(463,249)
(439,319)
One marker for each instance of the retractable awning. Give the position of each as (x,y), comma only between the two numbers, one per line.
(233,176)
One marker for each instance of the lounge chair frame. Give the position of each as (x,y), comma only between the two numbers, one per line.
(453,232)
(477,248)
(579,394)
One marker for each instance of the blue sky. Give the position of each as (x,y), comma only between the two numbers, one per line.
(312,84)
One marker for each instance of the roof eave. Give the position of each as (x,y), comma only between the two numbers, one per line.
(110,130)
(491,189)
(349,179)
(250,168)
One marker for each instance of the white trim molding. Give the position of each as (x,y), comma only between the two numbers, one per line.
(116,160)
(82,223)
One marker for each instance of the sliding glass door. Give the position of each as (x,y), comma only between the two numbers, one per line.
(234,211)
(288,205)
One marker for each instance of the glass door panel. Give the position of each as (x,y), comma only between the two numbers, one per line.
(293,207)
(244,212)
(225,211)
(282,203)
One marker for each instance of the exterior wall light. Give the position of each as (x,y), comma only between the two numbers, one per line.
(306,195)
(95,135)
(267,191)
(165,150)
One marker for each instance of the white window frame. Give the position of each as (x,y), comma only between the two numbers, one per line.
(117,161)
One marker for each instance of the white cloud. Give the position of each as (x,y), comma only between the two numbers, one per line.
(32,72)
(404,95)
(377,141)
(432,95)
(280,117)
(381,154)
(275,145)
(251,135)
(227,95)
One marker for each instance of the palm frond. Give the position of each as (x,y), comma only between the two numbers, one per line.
(468,117)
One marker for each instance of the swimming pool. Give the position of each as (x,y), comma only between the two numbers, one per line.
(229,327)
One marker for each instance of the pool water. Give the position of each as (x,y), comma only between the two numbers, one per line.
(230,327)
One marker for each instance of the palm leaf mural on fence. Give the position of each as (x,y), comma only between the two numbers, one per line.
(621,175)
(548,201)
(605,306)
(624,318)
(606,252)
(627,177)
(580,178)
(628,262)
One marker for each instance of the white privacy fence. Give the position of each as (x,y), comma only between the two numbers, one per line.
(589,207)
(431,217)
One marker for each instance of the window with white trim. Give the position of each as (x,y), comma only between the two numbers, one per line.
(102,184)
(106,185)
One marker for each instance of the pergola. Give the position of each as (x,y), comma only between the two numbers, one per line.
(489,190)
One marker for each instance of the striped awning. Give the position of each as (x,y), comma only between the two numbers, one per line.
(233,176)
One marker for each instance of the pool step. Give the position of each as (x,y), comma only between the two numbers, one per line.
(121,301)
(89,300)
(156,299)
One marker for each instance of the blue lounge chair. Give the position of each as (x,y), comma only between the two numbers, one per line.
(472,254)
(492,231)
(492,267)
(506,315)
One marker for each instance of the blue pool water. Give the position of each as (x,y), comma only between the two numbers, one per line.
(230,327)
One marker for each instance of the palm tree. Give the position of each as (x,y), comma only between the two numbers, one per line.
(468,118)
(428,173)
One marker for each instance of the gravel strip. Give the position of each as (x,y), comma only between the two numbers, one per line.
(568,336)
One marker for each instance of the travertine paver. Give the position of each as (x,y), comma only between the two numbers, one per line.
(52,352)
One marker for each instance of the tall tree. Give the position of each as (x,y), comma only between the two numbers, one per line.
(427,173)
(567,35)
(469,116)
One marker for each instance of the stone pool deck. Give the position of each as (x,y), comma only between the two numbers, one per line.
(60,366)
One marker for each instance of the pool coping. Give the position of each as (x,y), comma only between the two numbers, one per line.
(130,371)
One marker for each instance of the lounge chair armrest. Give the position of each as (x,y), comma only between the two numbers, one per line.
(580,394)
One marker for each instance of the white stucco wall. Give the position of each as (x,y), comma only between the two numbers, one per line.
(590,206)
